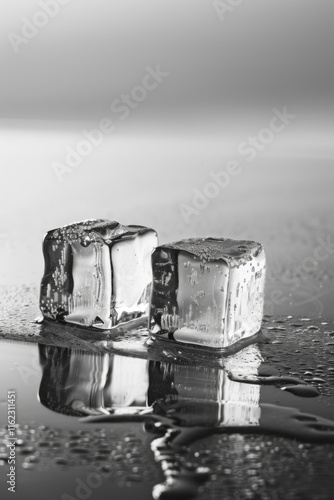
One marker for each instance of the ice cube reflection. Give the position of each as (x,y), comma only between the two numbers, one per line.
(79,383)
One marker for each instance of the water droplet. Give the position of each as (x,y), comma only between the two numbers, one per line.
(304,391)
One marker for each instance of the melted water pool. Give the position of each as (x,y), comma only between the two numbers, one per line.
(110,416)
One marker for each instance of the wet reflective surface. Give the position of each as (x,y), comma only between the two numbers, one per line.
(119,415)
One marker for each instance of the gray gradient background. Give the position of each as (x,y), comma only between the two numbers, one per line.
(225,78)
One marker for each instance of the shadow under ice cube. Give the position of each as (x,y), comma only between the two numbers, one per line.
(97,273)
(208,292)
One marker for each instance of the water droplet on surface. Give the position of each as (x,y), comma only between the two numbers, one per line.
(304,391)
(319,380)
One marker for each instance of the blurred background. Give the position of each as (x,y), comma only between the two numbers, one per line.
(132,110)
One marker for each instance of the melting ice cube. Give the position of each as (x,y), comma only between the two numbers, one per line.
(97,273)
(208,292)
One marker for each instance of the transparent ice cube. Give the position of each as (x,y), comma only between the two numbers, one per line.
(207,291)
(97,273)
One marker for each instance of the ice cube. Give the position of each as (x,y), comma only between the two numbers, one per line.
(207,291)
(97,273)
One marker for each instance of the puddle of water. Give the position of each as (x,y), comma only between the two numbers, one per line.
(150,417)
